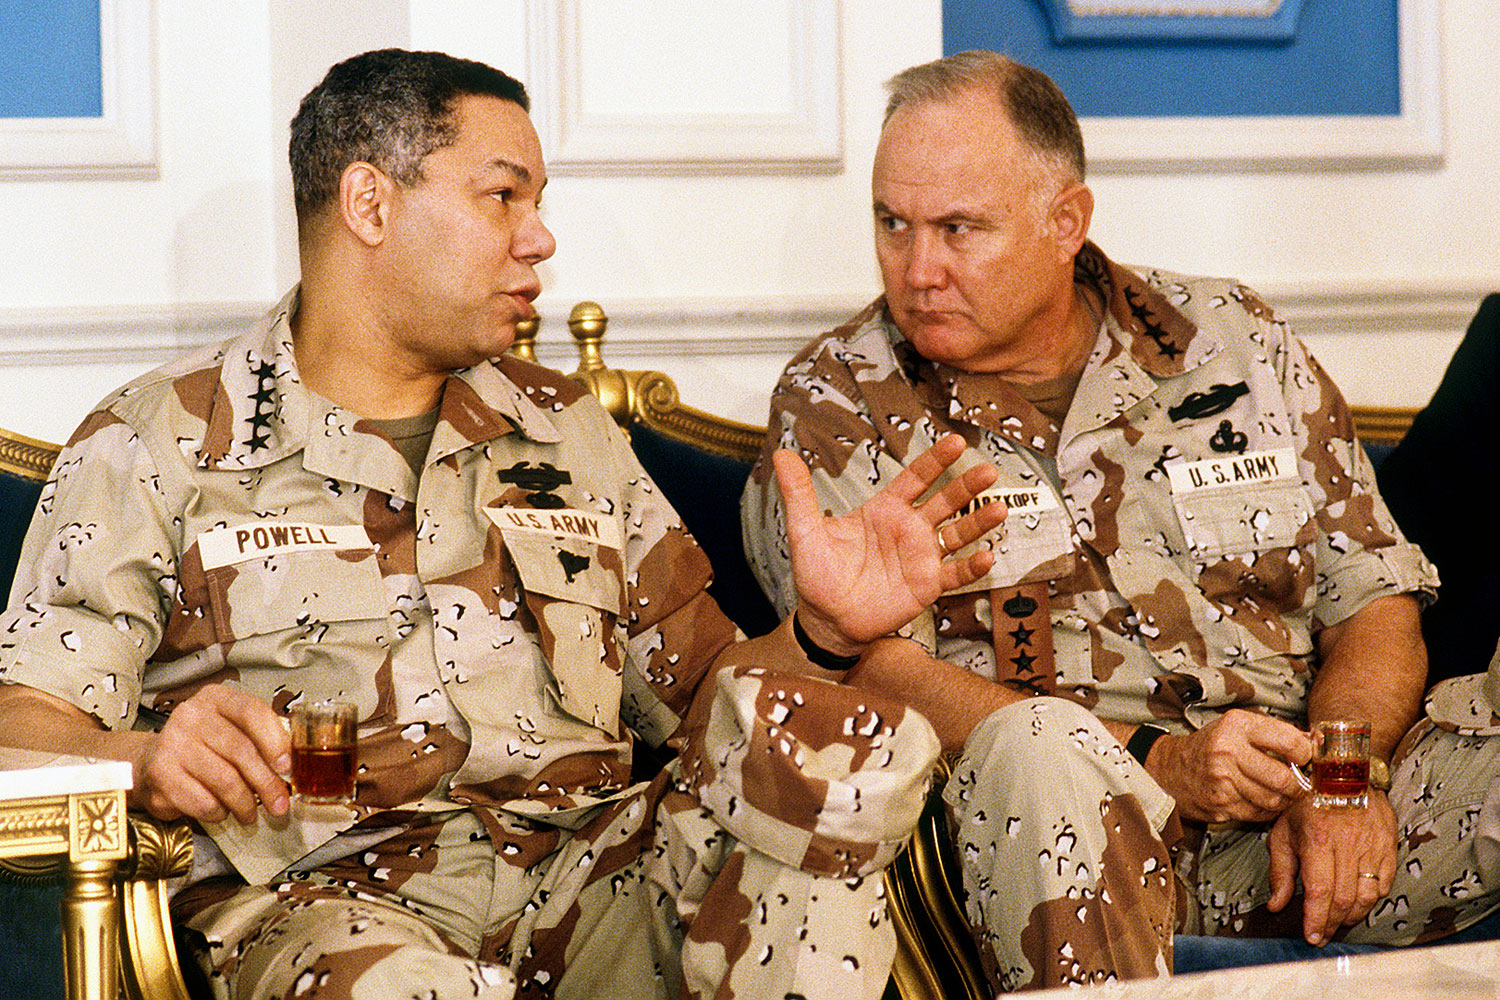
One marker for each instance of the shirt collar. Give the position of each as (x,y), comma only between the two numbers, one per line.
(1142,320)
(1142,338)
(261,412)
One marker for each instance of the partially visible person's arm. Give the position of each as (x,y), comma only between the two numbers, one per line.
(1235,769)
(953,699)
(1373,666)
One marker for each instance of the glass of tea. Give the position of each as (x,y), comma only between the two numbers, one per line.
(323,750)
(1341,763)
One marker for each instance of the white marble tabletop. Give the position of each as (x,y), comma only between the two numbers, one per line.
(32,774)
(1441,972)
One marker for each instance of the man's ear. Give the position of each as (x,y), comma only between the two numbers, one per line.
(365,196)
(1068,219)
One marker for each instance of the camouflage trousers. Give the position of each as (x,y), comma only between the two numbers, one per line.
(751,868)
(1077,868)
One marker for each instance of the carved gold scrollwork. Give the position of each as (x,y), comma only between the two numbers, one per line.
(26,456)
(33,871)
(658,405)
(30,827)
(656,393)
(161,850)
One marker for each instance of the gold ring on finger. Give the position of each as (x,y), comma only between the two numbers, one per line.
(942,544)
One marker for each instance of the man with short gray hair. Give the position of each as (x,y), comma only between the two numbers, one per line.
(1194,568)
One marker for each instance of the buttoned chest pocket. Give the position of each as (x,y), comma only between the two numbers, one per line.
(575,590)
(1241,505)
(287,609)
(1034,543)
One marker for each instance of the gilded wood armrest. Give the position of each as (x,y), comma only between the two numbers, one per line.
(119,906)
(650,399)
(1382,424)
(26,456)
(159,852)
(937,957)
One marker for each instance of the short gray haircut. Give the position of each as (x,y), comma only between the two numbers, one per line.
(1037,106)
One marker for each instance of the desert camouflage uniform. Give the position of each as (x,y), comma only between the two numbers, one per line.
(1171,552)
(507,623)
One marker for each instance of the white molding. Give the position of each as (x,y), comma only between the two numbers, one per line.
(1414,138)
(703,326)
(121,143)
(104,335)
(808,138)
(1375,307)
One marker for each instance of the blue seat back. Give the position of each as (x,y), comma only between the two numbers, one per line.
(31,962)
(705,489)
(18,496)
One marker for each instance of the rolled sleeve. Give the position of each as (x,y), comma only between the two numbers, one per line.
(90,596)
(815,774)
(1361,552)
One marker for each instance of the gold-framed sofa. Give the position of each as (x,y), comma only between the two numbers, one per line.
(701,461)
(694,455)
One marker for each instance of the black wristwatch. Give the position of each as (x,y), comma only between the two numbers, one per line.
(1143,739)
(827,659)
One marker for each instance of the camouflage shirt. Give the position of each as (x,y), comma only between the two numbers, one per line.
(1203,511)
(503,622)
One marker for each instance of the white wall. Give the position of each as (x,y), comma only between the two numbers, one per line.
(713,274)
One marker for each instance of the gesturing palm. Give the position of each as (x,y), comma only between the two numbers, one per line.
(866,574)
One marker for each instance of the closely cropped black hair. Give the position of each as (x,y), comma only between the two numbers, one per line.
(390,108)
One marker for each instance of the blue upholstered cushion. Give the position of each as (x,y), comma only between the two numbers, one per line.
(31,941)
(18,497)
(30,915)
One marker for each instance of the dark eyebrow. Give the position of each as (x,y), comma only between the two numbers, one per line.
(515,169)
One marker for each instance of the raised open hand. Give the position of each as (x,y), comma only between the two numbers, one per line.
(866,574)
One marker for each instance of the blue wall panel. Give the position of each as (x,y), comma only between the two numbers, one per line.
(1343,61)
(49,59)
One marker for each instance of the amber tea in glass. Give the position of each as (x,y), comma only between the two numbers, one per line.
(323,750)
(1341,763)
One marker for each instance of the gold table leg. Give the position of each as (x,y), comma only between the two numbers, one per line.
(82,825)
(91,930)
